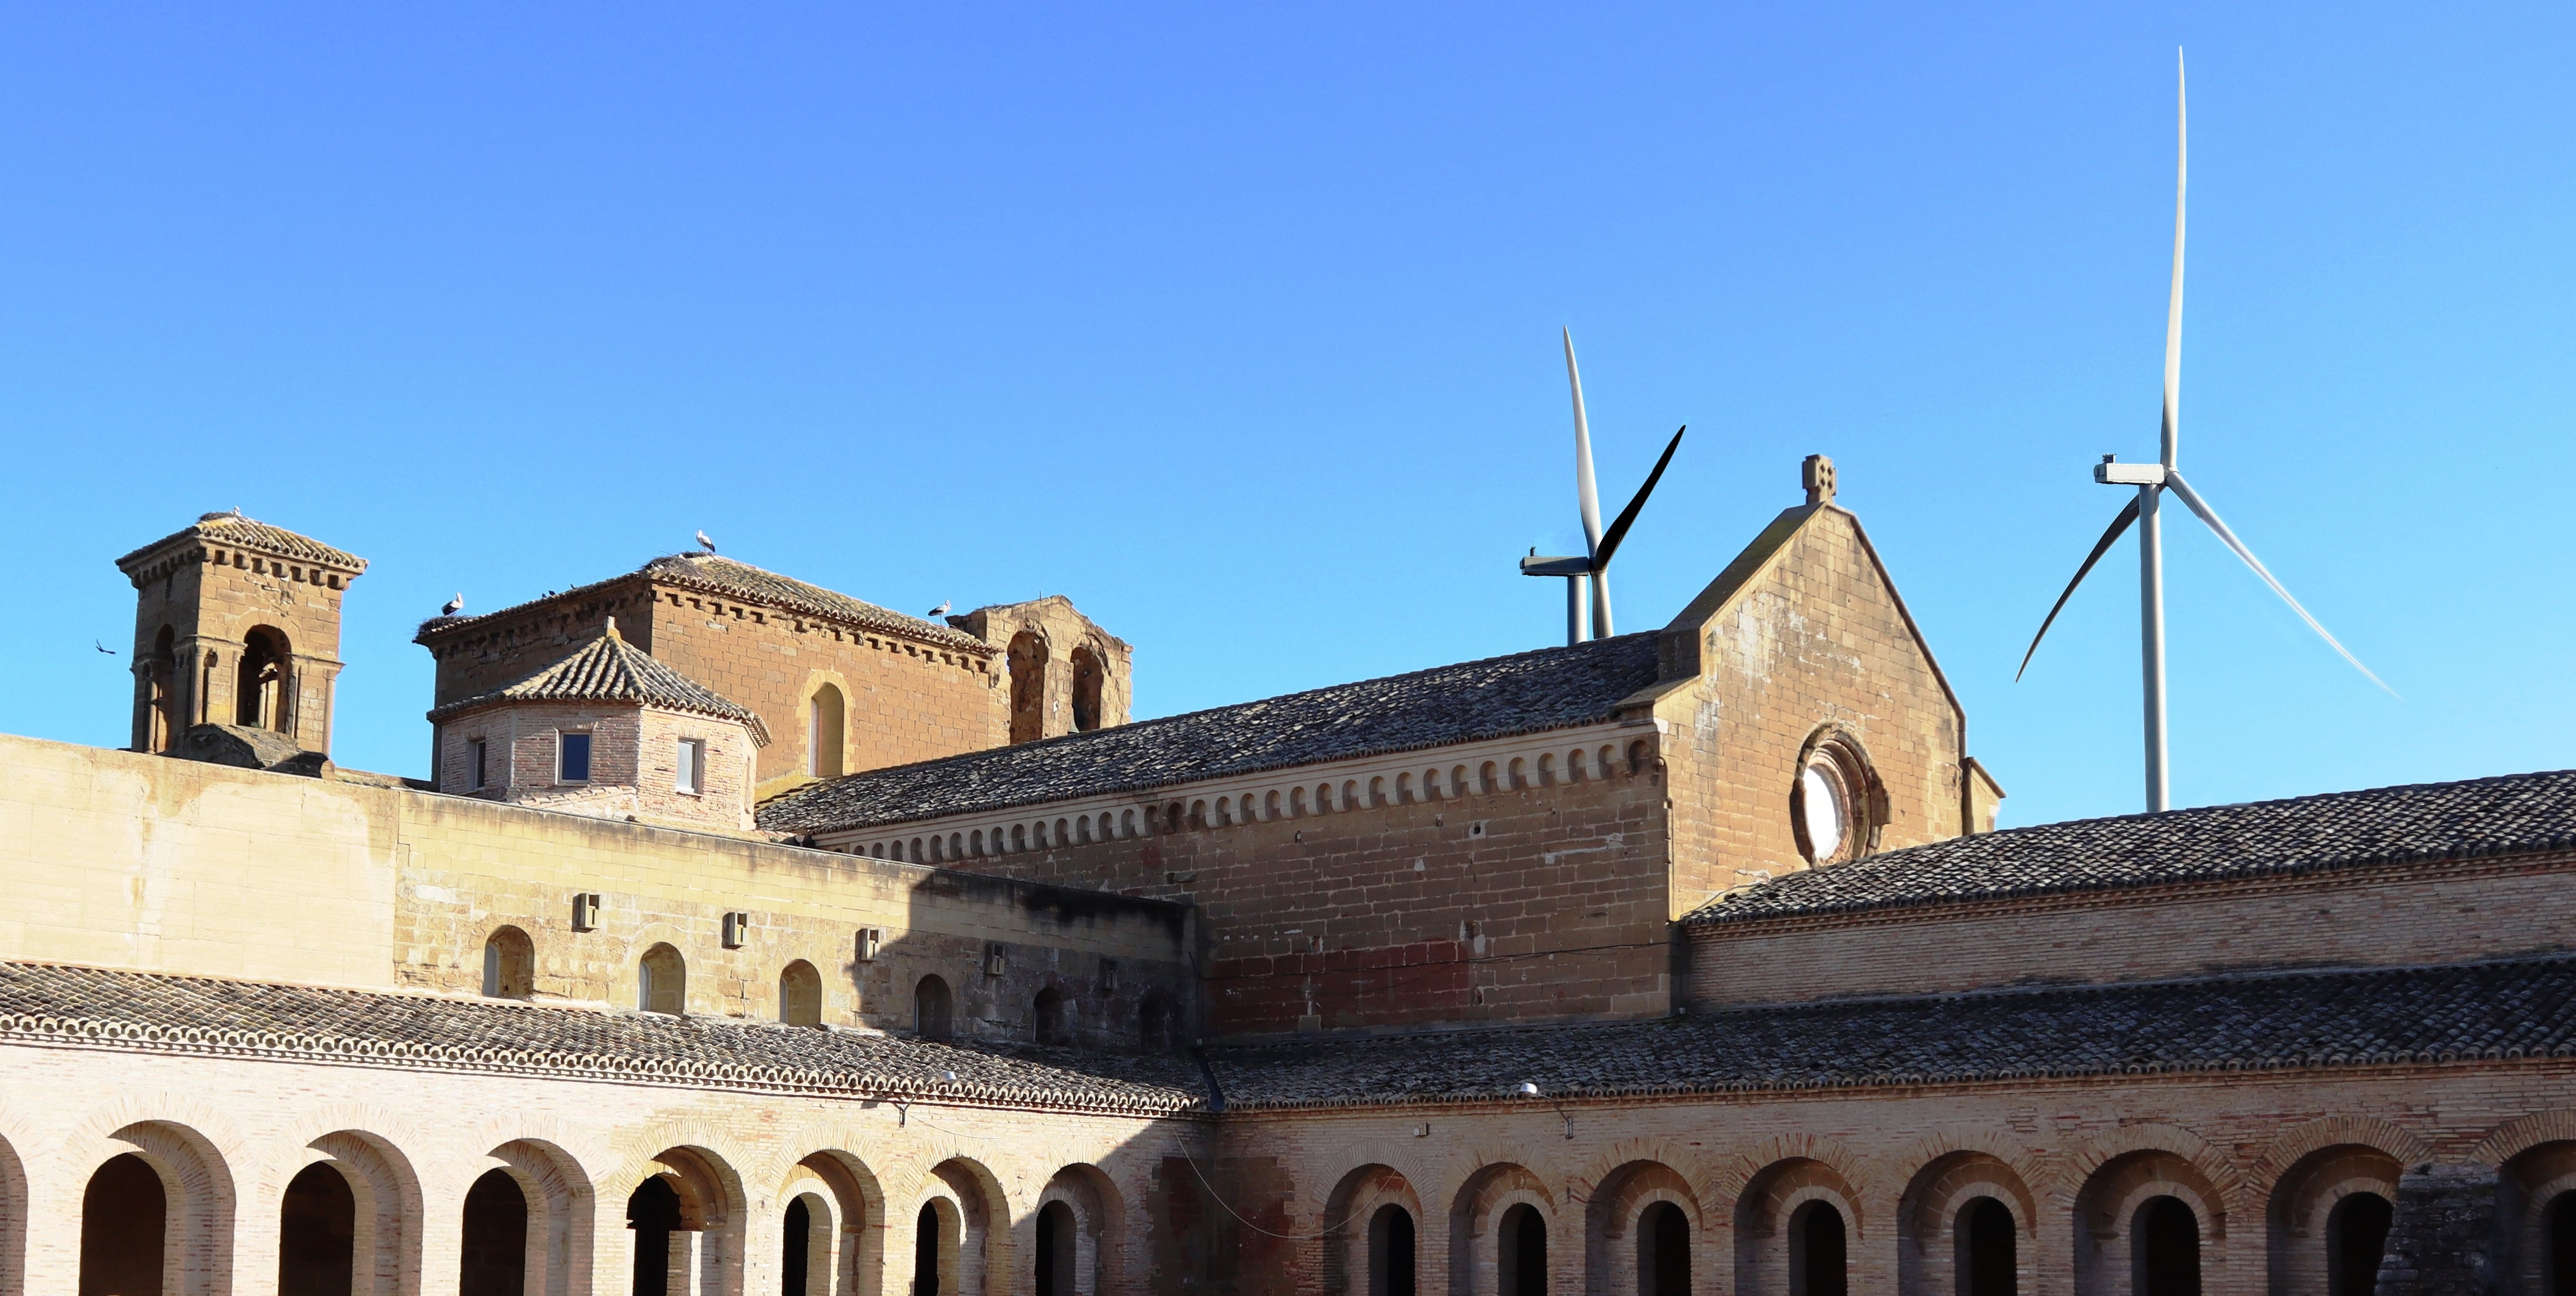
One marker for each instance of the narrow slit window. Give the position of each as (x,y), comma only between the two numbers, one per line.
(693,765)
(572,758)
(477,755)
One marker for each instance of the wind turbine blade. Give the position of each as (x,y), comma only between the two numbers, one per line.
(2192,500)
(2128,514)
(2173,309)
(1619,529)
(1586,499)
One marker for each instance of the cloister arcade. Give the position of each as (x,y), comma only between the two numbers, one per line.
(162,1213)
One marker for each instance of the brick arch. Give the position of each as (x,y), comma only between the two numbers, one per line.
(2214,1165)
(15,1202)
(1348,1211)
(2303,1198)
(1770,1202)
(713,1204)
(1928,1213)
(2040,1174)
(1619,1199)
(1477,1206)
(387,1196)
(1734,1175)
(2107,1205)
(1691,1163)
(983,1250)
(2528,1184)
(2294,1145)
(561,1211)
(1100,1220)
(2523,1133)
(202,1199)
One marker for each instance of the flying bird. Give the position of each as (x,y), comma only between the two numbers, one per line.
(941,610)
(102,647)
(705,543)
(454,606)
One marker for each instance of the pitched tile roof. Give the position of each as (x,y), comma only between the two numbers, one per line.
(2504,1009)
(753,584)
(1552,688)
(609,669)
(46,1003)
(2511,814)
(234,529)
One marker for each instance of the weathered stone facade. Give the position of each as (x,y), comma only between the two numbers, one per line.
(1676,963)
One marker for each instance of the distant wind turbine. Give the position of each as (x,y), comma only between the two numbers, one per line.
(1592,567)
(2151,481)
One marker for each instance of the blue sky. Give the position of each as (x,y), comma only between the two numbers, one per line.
(1237,324)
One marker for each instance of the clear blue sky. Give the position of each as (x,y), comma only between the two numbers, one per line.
(1237,324)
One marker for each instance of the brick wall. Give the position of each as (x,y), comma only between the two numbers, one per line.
(2404,913)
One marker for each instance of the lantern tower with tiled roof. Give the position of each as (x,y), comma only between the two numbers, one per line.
(236,623)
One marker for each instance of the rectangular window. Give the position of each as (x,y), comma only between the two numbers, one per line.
(474,758)
(572,758)
(693,765)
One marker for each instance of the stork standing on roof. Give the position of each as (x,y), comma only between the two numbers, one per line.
(705,543)
(454,605)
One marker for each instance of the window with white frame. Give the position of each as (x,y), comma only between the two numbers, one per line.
(693,766)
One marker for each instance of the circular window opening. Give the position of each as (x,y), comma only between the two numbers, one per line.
(1832,806)
(1827,810)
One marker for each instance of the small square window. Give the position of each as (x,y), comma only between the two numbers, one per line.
(572,758)
(693,765)
(478,771)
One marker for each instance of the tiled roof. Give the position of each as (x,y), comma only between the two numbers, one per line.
(609,669)
(234,529)
(44,1003)
(752,584)
(2508,815)
(2505,1009)
(1551,688)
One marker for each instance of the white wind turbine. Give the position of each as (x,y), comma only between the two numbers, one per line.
(1592,566)
(2151,481)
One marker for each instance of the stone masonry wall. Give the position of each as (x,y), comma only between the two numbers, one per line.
(114,859)
(1815,638)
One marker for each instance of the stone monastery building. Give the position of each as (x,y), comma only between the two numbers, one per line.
(750,939)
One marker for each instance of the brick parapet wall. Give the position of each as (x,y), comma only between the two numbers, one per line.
(2389,914)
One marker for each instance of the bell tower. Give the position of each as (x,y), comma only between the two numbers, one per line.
(236,622)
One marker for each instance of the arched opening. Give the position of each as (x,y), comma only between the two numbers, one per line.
(1028,663)
(1088,676)
(2562,1245)
(1988,1265)
(931,1009)
(1049,1018)
(653,1212)
(161,692)
(317,1234)
(1056,1268)
(123,1213)
(1819,1251)
(1390,1252)
(929,1243)
(800,994)
(796,1250)
(662,981)
(260,684)
(826,718)
(509,964)
(1663,1251)
(2356,1239)
(494,1258)
(1521,1254)
(2165,1244)
(1157,1023)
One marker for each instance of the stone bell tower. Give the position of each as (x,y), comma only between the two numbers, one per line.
(236,622)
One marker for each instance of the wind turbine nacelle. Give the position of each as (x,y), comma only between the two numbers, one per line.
(1537,566)
(2111,472)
